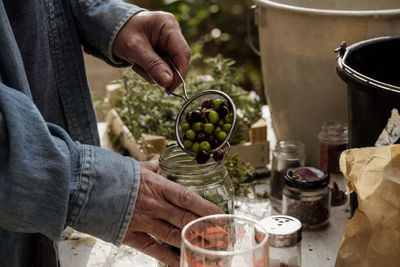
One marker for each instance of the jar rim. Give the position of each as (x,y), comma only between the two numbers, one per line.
(174,158)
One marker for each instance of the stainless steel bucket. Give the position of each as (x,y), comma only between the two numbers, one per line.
(297,39)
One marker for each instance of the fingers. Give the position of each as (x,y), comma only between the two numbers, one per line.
(186,199)
(136,68)
(148,245)
(147,32)
(151,164)
(175,216)
(152,64)
(160,229)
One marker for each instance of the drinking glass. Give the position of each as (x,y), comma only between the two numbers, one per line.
(224,240)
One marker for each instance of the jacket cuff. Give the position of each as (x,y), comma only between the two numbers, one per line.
(104,195)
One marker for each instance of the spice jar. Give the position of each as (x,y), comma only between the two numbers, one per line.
(284,237)
(210,180)
(287,154)
(333,140)
(306,196)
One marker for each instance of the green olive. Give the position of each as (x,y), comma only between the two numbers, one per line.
(185,126)
(205,146)
(221,136)
(227,127)
(208,128)
(217,103)
(195,147)
(197,127)
(228,118)
(187,144)
(190,134)
(213,117)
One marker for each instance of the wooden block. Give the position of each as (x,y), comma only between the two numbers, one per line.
(127,140)
(113,90)
(258,131)
(257,154)
(154,143)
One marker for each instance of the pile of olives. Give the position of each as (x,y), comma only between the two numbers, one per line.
(206,128)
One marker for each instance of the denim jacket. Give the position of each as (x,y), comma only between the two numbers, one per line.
(50,179)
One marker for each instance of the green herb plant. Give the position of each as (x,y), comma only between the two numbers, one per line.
(146,108)
(242,175)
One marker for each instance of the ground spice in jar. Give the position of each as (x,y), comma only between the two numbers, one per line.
(306,196)
(310,213)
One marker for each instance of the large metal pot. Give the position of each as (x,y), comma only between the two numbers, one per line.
(297,39)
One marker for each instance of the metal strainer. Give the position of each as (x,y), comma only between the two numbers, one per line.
(191,104)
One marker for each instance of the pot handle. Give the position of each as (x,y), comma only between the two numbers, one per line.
(252,15)
(341,49)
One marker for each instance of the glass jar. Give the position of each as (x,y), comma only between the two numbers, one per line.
(306,196)
(284,237)
(287,154)
(333,140)
(210,180)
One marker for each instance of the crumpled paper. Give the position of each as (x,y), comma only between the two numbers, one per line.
(391,133)
(372,237)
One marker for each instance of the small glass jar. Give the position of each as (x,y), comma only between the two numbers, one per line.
(284,237)
(210,180)
(306,196)
(333,140)
(287,154)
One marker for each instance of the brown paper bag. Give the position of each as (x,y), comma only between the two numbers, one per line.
(372,237)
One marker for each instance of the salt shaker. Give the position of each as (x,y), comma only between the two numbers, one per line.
(287,154)
(333,140)
(285,234)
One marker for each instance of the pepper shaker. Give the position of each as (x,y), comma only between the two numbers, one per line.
(284,234)
(287,154)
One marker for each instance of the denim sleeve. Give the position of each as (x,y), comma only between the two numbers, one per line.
(47,181)
(99,23)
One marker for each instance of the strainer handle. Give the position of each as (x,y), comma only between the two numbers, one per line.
(184,97)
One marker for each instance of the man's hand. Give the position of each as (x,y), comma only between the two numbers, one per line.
(147,32)
(162,209)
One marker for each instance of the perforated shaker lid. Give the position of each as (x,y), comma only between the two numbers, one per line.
(283,230)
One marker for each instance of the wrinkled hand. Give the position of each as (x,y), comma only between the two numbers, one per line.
(146,32)
(162,209)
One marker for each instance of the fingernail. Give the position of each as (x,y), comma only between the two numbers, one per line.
(165,79)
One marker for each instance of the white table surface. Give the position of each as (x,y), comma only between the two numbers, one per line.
(319,247)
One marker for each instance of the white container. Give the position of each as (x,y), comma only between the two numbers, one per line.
(297,39)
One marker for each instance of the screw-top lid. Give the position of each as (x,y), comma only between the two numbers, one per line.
(307,178)
(284,231)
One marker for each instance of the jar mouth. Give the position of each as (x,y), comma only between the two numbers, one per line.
(334,131)
(289,149)
(175,159)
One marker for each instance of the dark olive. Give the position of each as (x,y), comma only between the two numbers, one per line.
(196,116)
(201,137)
(214,143)
(189,117)
(202,156)
(218,155)
(207,104)
(224,109)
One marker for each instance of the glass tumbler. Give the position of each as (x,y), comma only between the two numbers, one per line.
(224,240)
